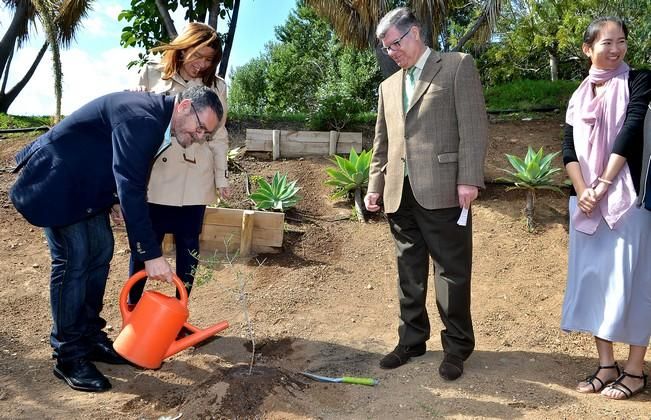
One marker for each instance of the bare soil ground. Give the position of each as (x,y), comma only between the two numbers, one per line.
(326,304)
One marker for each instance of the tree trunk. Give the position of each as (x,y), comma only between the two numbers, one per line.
(229,39)
(213,14)
(553,66)
(167,19)
(8,42)
(471,32)
(428,31)
(6,99)
(48,20)
(530,209)
(5,79)
(359,205)
(58,80)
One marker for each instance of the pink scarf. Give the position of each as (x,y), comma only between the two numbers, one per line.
(596,121)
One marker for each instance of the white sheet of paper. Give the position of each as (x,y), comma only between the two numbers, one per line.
(463,217)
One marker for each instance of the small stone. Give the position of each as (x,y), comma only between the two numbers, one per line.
(369,287)
(35,265)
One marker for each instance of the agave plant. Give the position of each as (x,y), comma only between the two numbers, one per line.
(350,177)
(279,195)
(531,174)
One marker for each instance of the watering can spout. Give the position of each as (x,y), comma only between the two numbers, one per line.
(196,337)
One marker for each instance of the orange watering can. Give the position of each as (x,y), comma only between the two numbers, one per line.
(149,330)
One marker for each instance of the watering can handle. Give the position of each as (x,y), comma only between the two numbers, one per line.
(124,294)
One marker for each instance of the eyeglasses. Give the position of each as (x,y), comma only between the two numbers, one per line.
(395,44)
(200,126)
(205,134)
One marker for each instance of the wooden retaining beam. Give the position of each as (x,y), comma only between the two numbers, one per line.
(301,143)
(248,231)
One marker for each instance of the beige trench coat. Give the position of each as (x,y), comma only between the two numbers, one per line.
(190,176)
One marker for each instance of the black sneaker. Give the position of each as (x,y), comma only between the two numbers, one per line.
(401,355)
(81,375)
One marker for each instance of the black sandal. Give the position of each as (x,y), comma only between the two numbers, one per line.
(619,386)
(590,379)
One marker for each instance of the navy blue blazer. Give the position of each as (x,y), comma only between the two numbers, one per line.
(99,155)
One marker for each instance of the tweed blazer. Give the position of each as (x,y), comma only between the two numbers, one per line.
(181,177)
(442,136)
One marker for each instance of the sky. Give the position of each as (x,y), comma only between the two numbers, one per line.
(96,64)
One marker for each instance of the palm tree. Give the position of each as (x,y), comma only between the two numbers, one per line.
(355,22)
(60,18)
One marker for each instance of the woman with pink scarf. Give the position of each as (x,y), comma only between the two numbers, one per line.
(608,290)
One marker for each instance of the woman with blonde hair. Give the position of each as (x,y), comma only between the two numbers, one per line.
(184,180)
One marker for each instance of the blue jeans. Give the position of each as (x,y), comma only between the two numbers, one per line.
(81,254)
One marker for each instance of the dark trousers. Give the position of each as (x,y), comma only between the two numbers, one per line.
(81,254)
(185,223)
(418,234)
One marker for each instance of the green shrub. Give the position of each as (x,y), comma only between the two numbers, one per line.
(19,121)
(528,95)
(334,111)
(279,195)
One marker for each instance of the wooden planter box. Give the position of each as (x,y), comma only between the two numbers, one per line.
(302,143)
(246,231)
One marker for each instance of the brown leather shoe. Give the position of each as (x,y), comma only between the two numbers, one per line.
(401,355)
(451,367)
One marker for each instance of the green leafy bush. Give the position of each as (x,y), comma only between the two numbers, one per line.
(529,95)
(19,121)
(334,111)
(279,195)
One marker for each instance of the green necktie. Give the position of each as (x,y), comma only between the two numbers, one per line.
(408,91)
(410,83)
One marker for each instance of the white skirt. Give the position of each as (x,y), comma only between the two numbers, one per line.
(608,291)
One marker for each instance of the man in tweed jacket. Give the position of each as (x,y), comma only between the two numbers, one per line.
(428,159)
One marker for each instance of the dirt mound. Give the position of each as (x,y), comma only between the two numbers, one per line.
(327,304)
